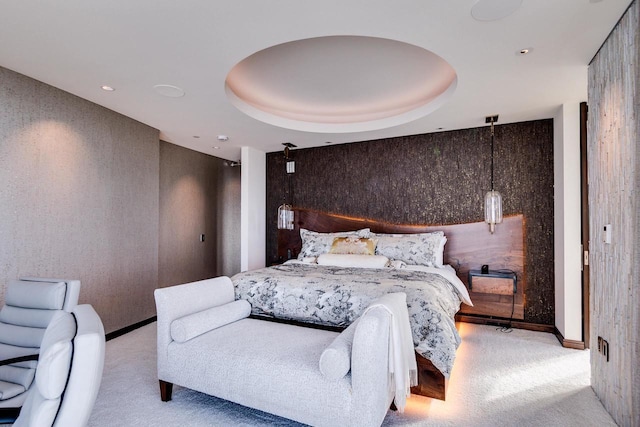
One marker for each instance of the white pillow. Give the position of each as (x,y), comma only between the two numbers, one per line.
(193,325)
(353,260)
(335,360)
(417,249)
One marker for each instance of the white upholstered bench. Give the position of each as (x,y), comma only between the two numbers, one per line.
(207,343)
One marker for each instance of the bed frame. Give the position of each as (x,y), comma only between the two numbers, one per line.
(468,247)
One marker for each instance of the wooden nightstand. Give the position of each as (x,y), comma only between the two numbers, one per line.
(494,294)
(485,282)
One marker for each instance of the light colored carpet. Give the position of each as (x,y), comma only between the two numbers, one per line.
(519,379)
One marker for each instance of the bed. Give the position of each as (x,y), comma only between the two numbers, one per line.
(331,294)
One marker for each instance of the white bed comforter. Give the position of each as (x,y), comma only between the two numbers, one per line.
(336,296)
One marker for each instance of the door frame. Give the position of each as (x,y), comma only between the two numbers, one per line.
(584,217)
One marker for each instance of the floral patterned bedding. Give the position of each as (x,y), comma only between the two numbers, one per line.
(336,296)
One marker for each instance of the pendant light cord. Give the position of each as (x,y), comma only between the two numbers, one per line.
(290,198)
(491,154)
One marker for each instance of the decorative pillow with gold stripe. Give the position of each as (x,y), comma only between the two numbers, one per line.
(314,243)
(353,245)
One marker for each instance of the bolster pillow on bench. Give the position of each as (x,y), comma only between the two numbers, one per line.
(188,327)
(335,360)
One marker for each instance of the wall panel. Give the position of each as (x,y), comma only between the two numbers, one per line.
(197,192)
(614,181)
(79,197)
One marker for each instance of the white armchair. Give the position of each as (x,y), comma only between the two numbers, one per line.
(30,304)
(69,372)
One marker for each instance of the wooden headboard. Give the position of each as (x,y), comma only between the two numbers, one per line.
(468,247)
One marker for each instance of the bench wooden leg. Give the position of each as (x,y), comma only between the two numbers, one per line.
(165,390)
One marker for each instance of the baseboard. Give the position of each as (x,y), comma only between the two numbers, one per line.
(498,321)
(577,345)
(127,329)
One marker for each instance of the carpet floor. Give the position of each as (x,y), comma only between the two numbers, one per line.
(521,378)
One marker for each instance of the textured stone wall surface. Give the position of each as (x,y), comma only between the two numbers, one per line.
(614,185)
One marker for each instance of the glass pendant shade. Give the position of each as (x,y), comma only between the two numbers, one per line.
(493,209)
(285,217)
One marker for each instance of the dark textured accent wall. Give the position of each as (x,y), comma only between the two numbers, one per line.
(437,178)
(199,194)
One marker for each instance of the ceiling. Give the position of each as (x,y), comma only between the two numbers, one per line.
(350,84)
(132,46)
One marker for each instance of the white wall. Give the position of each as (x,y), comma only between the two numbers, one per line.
(253,209)
(567,230)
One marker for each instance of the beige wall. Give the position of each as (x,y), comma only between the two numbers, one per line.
(89,194)
(228,221)
(614,183)
(78,197)
(199,194)
(253,209)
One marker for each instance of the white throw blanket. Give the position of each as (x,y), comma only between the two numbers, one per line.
(402,359)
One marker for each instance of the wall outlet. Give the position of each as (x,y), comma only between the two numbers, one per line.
(607,234)
(603,347)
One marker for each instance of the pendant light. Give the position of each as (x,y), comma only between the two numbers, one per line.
(493,199)
(285,210)
(285,217)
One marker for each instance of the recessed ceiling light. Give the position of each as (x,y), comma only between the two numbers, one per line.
(196,136)
(107,88)
(169,90)
(223,138)
(525,51)
(216,148)
(439,128)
